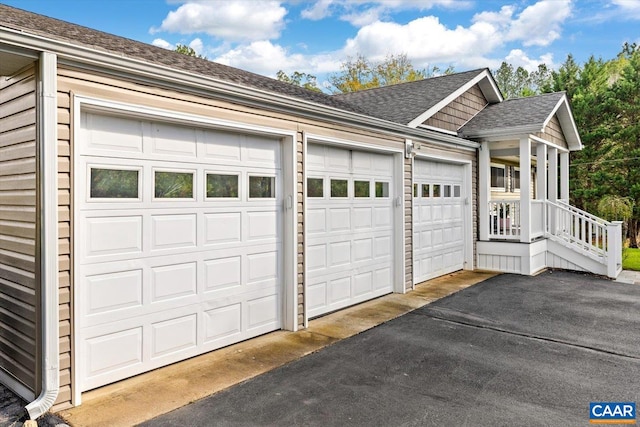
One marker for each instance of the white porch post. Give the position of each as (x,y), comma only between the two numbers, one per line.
(564,176)
(541,158)
(484,189)
(525,189)
(553,174)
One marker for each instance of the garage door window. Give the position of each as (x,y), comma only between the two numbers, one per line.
(173,185)
(315,187)
(114,184)
(456,191)
(221,186)
(382,189)
(262,187)
(436,190)
(361,188)
(415,190)
(425,190)
(339,188)
(447,191)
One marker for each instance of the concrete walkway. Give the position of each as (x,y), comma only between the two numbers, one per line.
(149,395)
(629,276)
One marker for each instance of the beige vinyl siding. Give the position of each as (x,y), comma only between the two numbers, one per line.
(553,132)
(408,223)
(64,247)
(300,199)
(459,111)
(18,248)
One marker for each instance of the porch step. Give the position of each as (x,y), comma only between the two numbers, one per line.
(568,253)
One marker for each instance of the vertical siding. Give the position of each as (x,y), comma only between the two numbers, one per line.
(300,190)
(459,111)
(64,246)
(18,249)
(408,223)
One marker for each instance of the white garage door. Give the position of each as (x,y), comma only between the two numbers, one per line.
(349,217)
(438,223)
(178,241)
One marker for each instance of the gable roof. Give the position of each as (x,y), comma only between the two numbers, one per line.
(524,115)
(32,23)
(411,103)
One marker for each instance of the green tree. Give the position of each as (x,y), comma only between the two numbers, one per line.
(307,81)
(188,50)
(518,82)
(359,73)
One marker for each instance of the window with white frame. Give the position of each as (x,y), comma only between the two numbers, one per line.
(515,179)
(498,177)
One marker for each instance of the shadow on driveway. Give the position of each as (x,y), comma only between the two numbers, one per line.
(512,350)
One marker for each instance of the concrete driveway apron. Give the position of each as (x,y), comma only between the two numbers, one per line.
(512,350)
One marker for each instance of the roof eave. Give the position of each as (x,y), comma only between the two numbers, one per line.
(120,65)
(569,128)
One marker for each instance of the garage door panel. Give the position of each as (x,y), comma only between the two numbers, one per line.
(173,140)
(438,237)
(222,273)
(109,235)
(113,291)
(173,281)
(173,335)
(222,227)
(163,279)
(173,231)
(349,249)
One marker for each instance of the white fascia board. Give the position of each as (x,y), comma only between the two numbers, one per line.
(497,134)
(117,65)
(446,101)
(548,143)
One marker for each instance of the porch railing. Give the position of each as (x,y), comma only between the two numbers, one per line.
(581,231)
(504,219)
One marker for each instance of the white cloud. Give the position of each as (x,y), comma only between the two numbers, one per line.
(631,8)
(197,45)
(230,20)
(262,57)
(519,58)
(425,41)
(319,10)
(362,12)
(162,43)
(540,23)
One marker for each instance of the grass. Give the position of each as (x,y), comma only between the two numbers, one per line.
(631,259)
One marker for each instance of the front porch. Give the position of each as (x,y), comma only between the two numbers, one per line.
(532,226)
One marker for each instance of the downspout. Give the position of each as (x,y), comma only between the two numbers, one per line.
(48,205)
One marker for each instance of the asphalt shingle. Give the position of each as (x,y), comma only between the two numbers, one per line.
(401,103)
(530,111)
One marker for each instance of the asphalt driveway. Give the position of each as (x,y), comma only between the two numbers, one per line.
(509,351)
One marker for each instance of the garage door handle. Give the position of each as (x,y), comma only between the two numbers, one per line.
(289,202)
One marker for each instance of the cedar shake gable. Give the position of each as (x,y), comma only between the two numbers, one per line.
(525,115)
(44,26)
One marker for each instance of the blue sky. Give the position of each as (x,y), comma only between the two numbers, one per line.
(316,37)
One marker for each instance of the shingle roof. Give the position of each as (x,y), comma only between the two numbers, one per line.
(512,113)
(401,103)
(51,28)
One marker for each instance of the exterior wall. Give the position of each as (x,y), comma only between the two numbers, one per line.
(408,223)
(19,272)
(553,132)
(64,246)
(80,83)
(459,111)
